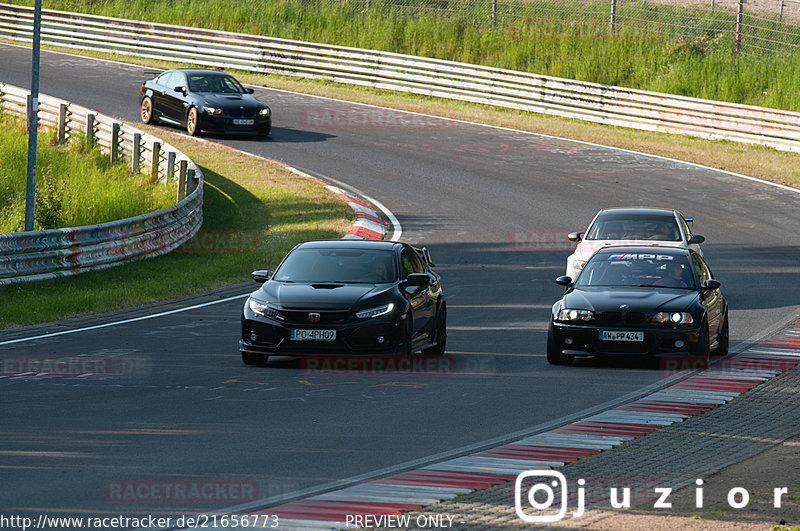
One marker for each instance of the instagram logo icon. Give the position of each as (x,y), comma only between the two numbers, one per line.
(541,489)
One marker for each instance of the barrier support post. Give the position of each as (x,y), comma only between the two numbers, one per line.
(136,154)
(182,179)
(114,143)
(90,129)
(170,166)
(155,161)
(62,123)
(191,182)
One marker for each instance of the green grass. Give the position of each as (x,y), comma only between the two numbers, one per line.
(545,41)
(245,200)
(71,183)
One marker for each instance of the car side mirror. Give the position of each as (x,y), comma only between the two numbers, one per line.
(575,236)
(262,275)
(182,90)
(417,279)
(711,284)
(696,238)
(564,281)
(249,90)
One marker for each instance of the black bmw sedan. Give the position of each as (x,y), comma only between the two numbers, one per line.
(640,301)
(346,297)
(203,100)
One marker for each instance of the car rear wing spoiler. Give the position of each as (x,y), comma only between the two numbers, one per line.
(152,73)
(688,220)
(425,255)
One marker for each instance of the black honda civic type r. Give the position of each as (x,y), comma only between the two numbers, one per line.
(639,301)
(346,297)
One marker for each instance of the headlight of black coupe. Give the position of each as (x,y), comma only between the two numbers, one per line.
(673,318)
(575,316)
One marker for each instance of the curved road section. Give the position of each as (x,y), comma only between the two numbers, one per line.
(180,426)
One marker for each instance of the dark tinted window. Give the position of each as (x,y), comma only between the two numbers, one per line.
(634,227)
(686,229)
(411,262)
(165,79)
(214,83)
(637,269)
(702,270)
(338,265)
(172,80)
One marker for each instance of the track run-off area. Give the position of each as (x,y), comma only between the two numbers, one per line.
(181,413)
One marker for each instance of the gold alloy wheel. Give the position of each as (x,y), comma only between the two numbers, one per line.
(191,122)
(147,110)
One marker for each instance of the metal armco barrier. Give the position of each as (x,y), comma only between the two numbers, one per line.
(37,255)
(593,102)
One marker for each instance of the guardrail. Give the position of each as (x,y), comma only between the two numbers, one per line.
(593,102)
(37,255)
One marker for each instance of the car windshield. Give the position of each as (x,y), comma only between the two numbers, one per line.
(646,227)
(637,269)
(214,83)
(373,266)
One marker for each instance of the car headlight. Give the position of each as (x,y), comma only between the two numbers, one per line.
(212,110)
(673,318)
(575,315)
(264,112)
(375,312)
(578,264)
(263,309)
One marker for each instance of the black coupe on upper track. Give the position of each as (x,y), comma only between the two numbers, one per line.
(203,100)
(643,300)
(346,297)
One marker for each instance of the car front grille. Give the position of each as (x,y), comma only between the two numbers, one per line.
(242,113)
(302,317)
(619,318)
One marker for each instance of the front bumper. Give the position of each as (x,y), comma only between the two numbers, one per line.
(364,337)
(584,340)
(226,124)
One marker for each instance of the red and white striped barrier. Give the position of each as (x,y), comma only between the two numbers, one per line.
(368,224)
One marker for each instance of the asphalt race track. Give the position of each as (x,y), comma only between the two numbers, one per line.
(180,409)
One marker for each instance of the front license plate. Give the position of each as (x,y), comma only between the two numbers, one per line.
(242,121)
(620,335)
(313,335)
